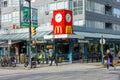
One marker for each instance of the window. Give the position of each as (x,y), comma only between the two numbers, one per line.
(52,6)
(108,25)
(95,24)
(117,0)
(15,3)
(79,23)
(15,17)
(58,5)
(95,7)
(9,3)
(5,3)
(116,12)
(116,27)
(108,10)
(77,7)
(6,17)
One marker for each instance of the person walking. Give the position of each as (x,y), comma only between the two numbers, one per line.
(40,57)
(118,54)
(53,58)
(109,59)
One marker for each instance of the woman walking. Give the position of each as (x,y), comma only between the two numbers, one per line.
(109,59)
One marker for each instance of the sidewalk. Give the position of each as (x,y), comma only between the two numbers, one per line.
(62,66)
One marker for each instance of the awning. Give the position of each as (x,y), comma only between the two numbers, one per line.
(5,43)
(41,34)
(23,36)
(98,35)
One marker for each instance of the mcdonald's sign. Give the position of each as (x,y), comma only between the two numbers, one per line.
(68,30)
(58,30)
(62,21)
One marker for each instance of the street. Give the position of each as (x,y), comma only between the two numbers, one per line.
(64,72)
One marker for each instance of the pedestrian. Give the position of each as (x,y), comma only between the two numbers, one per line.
(108,59)
(47,56)
(53,58)
(40,57)
(118,54)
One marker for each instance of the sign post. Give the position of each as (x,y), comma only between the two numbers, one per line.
(9,44)
(102,42)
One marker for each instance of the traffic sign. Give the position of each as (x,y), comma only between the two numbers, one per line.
(102,41)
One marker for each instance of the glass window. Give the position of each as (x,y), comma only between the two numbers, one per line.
(6,18)
(66,5)
(95,7)
(70,4)
(5,3)
(79,23)
(116,12)
(52,6)
(116,27)
(15,3)
(118,0)
(95,24)
(9,3)
(78,7)
(60,5)
(108,25)
(15,17)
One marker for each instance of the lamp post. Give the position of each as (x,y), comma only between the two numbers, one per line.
(30,37)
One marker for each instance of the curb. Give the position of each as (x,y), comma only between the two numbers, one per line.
(90,66)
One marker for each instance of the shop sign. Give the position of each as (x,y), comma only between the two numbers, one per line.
(49,46)
(62,21)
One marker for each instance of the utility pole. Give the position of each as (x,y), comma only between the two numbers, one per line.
(30,36)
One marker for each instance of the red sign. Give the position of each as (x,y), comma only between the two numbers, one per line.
(62,22)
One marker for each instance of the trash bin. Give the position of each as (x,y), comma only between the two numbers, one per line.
(60,59)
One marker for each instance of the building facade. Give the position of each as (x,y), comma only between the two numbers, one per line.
(92,19)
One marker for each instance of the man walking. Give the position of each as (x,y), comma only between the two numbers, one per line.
(53,58)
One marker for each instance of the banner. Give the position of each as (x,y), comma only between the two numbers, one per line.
(26,17)
(35,17)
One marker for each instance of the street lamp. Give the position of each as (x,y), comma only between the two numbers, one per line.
(30,37)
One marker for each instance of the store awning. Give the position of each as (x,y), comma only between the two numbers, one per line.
(6,44)
(98,35)
(23,36)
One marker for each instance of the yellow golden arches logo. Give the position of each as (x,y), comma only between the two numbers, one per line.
(68,30)
(58,30)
